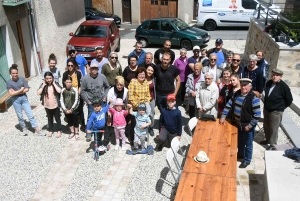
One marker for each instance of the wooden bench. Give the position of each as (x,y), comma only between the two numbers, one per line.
(215,180)
(3,103)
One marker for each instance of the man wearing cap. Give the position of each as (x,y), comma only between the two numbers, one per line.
(161,51)
(213,68)
(166,74)
(93,86)
(219,51)
(100,59)
(170,123)
(245,107)
(278,96)
(139,52)
(81,62)
(194,59)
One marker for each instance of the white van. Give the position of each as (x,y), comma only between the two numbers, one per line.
(213,13)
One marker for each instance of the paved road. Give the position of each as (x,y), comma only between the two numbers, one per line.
(226,33)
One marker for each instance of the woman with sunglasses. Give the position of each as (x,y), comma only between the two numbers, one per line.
(75,74)
(112,68)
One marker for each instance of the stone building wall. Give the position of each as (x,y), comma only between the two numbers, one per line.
(279,55)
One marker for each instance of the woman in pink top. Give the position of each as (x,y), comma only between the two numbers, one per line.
(49,92)
(119,122)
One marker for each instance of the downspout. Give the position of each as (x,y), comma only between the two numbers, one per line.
(33,36)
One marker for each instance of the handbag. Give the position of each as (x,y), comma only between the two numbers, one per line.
(207,117)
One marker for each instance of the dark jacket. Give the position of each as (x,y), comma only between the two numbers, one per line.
(279,99)
(66,74)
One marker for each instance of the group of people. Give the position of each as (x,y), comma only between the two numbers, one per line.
(123,100)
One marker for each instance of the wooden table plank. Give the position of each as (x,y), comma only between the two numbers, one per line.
(206,187)
(220,144)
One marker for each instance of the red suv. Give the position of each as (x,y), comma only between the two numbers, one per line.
(92,34)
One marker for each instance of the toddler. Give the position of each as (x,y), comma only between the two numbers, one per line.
(119,122)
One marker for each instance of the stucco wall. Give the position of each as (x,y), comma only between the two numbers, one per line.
(117,8)
(279,55)
(185,10)
(55,19)
(135,12)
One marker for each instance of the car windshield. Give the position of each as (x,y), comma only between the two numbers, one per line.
(180,24)
(91,31)
(97,11)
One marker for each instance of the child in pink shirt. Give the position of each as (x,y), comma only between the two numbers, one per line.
(119,122)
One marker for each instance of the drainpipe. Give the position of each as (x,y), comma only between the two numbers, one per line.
(33,36)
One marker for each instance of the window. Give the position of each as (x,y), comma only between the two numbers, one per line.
(154,2)
(152,25)
(166,26)
(249,4)
(164,3)
(91,31)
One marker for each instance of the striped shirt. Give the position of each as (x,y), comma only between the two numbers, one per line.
(239,103)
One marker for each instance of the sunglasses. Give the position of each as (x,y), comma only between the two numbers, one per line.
(213,59)
(114,57)
(236,60)
(70,65)
(196,51)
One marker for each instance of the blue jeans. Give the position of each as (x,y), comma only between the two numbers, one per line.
(19,103)
(245,143)
(161,101)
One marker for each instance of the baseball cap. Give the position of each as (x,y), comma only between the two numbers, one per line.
(245,81)
(94,65)
(219,40)
(171,97)
(196,47)
(97,101)
(142,106)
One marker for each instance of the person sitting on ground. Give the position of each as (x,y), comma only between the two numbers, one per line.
(207,96)
(97,121)
(69,101)
(119,122)
(170,123)
(143,121)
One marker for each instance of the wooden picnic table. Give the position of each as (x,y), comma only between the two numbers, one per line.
(215,180)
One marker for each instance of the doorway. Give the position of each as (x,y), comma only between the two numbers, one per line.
(126,10)
(22,49)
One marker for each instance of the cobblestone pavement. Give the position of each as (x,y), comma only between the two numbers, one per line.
(42,168)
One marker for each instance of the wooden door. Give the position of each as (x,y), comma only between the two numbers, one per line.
(126,10)
(158,8)
(22,49)
(4,72)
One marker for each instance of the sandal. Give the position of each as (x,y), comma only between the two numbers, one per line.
(77,137)
(50,134)
(71,135)
(58,134)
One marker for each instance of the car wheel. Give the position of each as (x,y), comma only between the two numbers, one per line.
(119,46)
(210,25)
(186,44)
(108,53)
(144,42)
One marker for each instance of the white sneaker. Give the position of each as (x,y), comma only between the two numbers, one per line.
(101,148)
(124,148)
(116,147)
(126,140)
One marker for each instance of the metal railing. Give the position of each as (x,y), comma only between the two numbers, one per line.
(278,21)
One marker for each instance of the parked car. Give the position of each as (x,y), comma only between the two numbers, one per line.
(98,14)
(92,34)
(156,31)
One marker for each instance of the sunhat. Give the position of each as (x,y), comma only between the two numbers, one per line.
(201,157)
(119,101)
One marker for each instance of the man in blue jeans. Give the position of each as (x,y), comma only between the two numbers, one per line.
(17,87)
(245,107)
(166,74)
